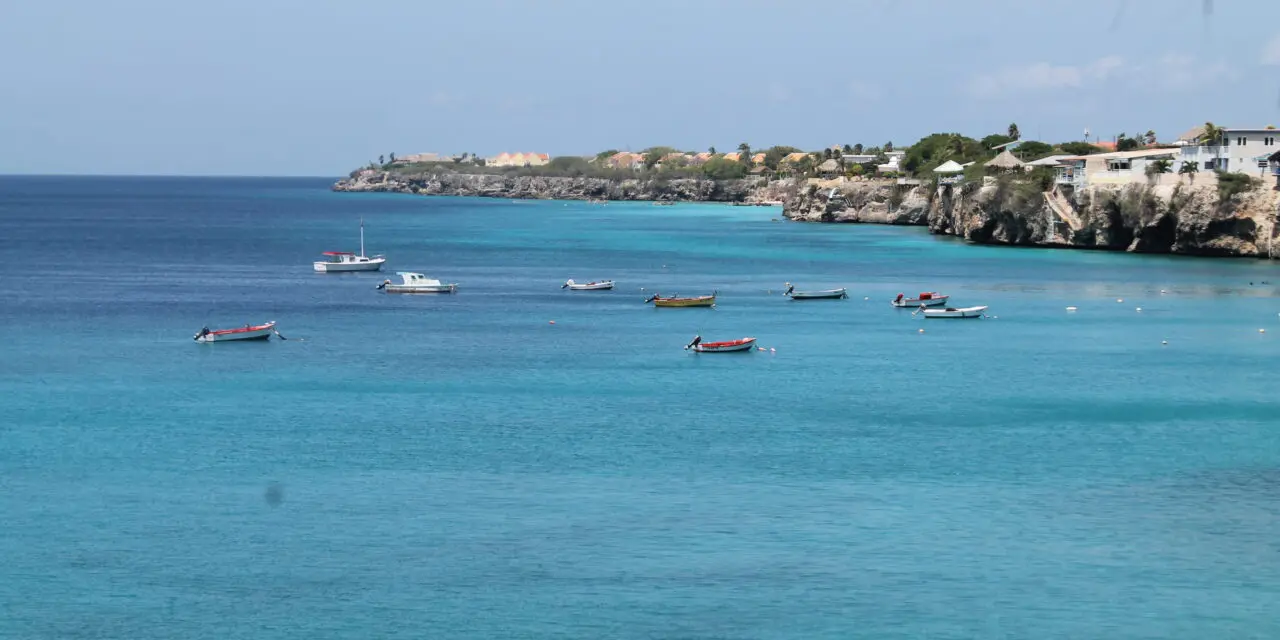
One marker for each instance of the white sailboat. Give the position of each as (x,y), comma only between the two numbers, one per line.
(345,261)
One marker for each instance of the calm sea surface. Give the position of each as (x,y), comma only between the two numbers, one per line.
(460,467)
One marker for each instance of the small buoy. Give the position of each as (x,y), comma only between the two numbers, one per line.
(1139,309)
(1164,342)
(1262,330)
(772,350)
(551,322)
(1119,299)
(869,297)
(760,349)
(922,331)
(1162,292)
(1071,308)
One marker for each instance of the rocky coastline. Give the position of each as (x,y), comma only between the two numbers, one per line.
(1185,219)
(743,191)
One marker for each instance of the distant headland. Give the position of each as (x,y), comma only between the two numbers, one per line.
(1210,191)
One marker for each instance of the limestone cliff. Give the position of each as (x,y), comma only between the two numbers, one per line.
(748,190)
(1181,218)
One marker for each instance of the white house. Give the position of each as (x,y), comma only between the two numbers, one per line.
(1119,167)
(1239,150)
(894,163)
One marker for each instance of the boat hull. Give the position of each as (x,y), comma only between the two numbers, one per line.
(260,332)
(706,301)
(916,303)
(421,288)
(967,312)
(829,294)
(730,346)
(592,286)
(374,264)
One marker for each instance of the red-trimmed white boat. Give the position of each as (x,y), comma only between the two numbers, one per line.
(247,332)
(344,261)
(926,299)
(727,346)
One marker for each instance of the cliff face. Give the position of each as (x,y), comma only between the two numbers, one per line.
(867,202)
(1181,219)
(563,188)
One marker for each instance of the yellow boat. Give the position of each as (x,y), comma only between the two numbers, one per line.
(698,301)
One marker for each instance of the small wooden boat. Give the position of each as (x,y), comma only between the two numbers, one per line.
(417,283)
(345,261)
(825,294)
(674,301)
(949,312)
(247,332)
(926,299)
(727,346)
(601,285)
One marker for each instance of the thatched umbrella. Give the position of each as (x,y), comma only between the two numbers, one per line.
(829,167)
(1005,162)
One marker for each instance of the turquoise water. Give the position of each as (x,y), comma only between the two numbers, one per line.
(458,466)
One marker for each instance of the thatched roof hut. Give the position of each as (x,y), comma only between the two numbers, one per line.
(829,167)
(1005,162)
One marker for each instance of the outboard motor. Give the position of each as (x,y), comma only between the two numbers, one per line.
(383,285)
(790,289)
(697,340)
(652,298)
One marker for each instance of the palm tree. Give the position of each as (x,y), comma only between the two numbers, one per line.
(826,154)
(847,149)
(1189,168)
(711,150)
(1158,167)
(888,146)
(1149,138)
(1013,131)
(857,149)
(1214,136)
(382,160)
(745,150)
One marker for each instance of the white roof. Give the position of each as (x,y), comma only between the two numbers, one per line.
(950,166)
(1048,162)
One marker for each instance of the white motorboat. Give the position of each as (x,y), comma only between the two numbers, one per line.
(949,312)
(417,283)
(600,285)
(345,261)
(825,294)
(926,299)
(247,332)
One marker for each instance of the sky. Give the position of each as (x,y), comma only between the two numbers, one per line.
(318,87)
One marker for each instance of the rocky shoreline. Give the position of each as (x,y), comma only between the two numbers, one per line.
(744,191)
(1183,219)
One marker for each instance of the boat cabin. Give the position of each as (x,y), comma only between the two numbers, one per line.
(410,278)
(343,257)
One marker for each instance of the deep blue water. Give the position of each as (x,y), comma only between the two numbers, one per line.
(458,466)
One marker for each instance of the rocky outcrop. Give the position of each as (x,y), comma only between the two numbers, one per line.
(877,202)
(751,191)
(1182,219)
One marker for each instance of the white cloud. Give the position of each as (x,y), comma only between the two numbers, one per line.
(1043,76)
(1170,72)
(1271,52)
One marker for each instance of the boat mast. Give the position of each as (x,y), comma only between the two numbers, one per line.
(361,237)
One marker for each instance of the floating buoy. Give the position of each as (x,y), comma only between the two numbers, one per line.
(1162,292)
(1071,308)
(869,297)
(1164,342)
(1139,309)
(551,322)
(1262,330)
(922,331)
(1119,299)
(772,350)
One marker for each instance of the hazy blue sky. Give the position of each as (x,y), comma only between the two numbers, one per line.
(308,87)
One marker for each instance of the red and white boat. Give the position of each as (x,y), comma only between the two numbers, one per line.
(926,299)
(727,346)
(247,332)
(345,261)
